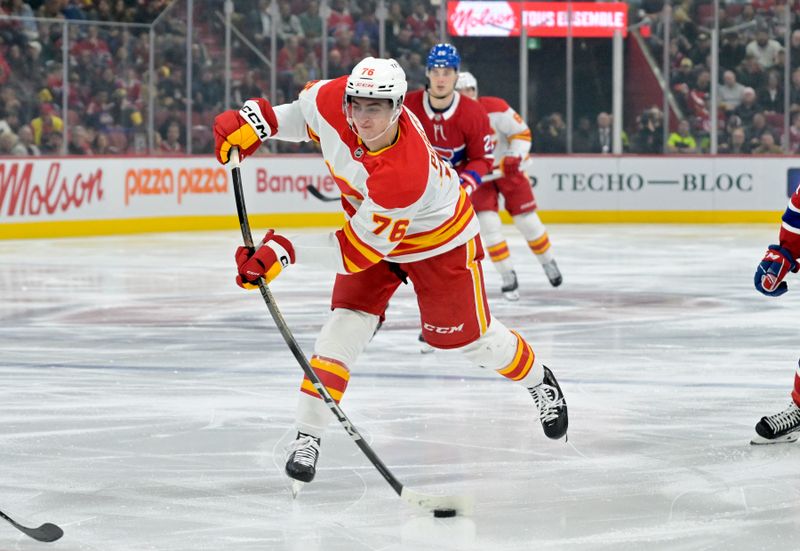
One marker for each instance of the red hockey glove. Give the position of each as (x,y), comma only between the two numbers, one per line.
(510,165)
(274,253)
(245,129)
(470,180)
(773,268)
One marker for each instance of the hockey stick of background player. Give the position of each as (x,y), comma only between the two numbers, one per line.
(312,189)
(47,532)
(439,505)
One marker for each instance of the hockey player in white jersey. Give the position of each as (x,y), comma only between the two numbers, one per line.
(512,149)
(406,213)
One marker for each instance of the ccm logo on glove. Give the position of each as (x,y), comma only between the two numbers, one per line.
(274,253)
(777,262)
(252,114)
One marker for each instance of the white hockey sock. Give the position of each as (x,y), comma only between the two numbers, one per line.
(535,233)
(340,342)
(507,353)
(495,242)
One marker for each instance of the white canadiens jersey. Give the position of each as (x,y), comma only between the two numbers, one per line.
(511,135)
(402,203)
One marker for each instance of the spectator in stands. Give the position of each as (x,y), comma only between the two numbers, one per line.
(794,97)
(699,103)
(53,143)
(731,51)
(730,93)
(209,92)
(770,98)
(684,74)
(367,25)
(350,53)
(701,49)
(794,50)
(261,22)
(10,146)
(748,107)
(684,28)
(311,23)
(46,123)
(794,134)
(79,143)
(648,139)
(335,66)
(582,136)
(26,139)
(602,138)
(764,48)
(756,129)
(403,44)
(172,142)
(246,88)
(421,20)
(288,23)
(736,144)
(10,121)
(102,145)
(550,135)
(415,71)
(750,73)
(767,145)
(340,17)
(682,140)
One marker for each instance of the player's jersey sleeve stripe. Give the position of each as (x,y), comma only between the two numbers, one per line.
(311,134)
(525,135)
(791,219)
(356,255)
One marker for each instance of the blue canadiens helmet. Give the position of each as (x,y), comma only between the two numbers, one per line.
(443,55)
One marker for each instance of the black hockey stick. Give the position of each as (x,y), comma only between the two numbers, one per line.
(312,189)
(454,504)
(47,532)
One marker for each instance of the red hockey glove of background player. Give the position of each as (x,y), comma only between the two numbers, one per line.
(275,252)
(510,165)
(245,128)
(777,262)
(470,180)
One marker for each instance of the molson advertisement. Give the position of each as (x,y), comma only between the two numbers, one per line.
(544,19)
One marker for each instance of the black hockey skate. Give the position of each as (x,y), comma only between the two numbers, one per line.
(553,273)
(783,427)
(301,464)
(552,407)
(510,288)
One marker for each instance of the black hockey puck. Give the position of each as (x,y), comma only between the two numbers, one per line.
(444,513)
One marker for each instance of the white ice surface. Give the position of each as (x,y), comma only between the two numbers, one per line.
(146,401)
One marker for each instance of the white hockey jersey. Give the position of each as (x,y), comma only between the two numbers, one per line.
(402,203)
(512,136)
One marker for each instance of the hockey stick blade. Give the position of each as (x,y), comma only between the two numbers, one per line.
(411,497)
(312,189)
(47,532)
(463,505)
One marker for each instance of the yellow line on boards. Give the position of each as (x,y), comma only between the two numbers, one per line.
(77,228)
(655,217)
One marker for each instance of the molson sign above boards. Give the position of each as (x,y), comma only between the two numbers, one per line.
(543,19)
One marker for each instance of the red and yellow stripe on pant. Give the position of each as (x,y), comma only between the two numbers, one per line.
(540,244)
(522,363)
(332,373)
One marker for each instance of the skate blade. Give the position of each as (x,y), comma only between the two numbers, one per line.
(786,439)
(511,296)
(296,487)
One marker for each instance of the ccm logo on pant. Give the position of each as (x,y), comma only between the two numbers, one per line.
(252,114)
(442,330)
